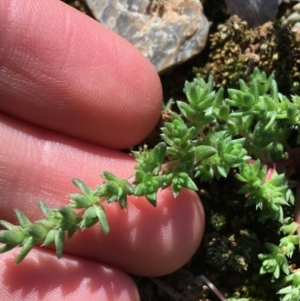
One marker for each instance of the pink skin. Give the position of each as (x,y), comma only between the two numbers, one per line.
(61,62)
(71,92)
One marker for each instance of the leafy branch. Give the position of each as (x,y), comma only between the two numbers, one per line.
(245,129)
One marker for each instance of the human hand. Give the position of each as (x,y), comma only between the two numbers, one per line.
(71,93)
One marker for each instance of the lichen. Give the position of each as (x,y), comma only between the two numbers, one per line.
(235,50)
(218,220)
(232,253)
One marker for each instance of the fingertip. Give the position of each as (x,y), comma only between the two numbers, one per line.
(180,224)
(146,240)
(41,276)
(71,74)
(170,233)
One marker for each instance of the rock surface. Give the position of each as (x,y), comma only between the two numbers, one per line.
(167,32)
(255,12)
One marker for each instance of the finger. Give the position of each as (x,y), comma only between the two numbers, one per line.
(142,240)
(63,70)
(42,277)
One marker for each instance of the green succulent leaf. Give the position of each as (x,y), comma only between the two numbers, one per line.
(68,214)
(7,225)
(100,212)
(80,201)
(7,248)
(37,232)
(50,238)
(13,236)
(274,262)
(23,220)
(89,218)
(72,230)
(204,152)
(59,239)
(45,209)
(151,161)
(27,245)
(82,186)
(182,180)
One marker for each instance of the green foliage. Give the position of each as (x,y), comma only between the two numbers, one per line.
(268,196)
(274,262)
(243,129)
(292,291)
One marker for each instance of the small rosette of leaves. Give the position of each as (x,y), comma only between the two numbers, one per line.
(85,199)
(292,291)
(147,179)
(274,262)
(180,179)
(261,114)
(179,137)
(269,196)
(114,189)
(147,185)
(93,215)
(260,97)
(287,244)
(289,227)
(151,161)
(268,144)
(229,153)
(89,200)
(201,97)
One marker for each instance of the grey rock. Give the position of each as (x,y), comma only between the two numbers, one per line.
(167,32)
(255,12)
(287,1)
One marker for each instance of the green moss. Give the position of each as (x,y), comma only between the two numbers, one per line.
(235,50)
